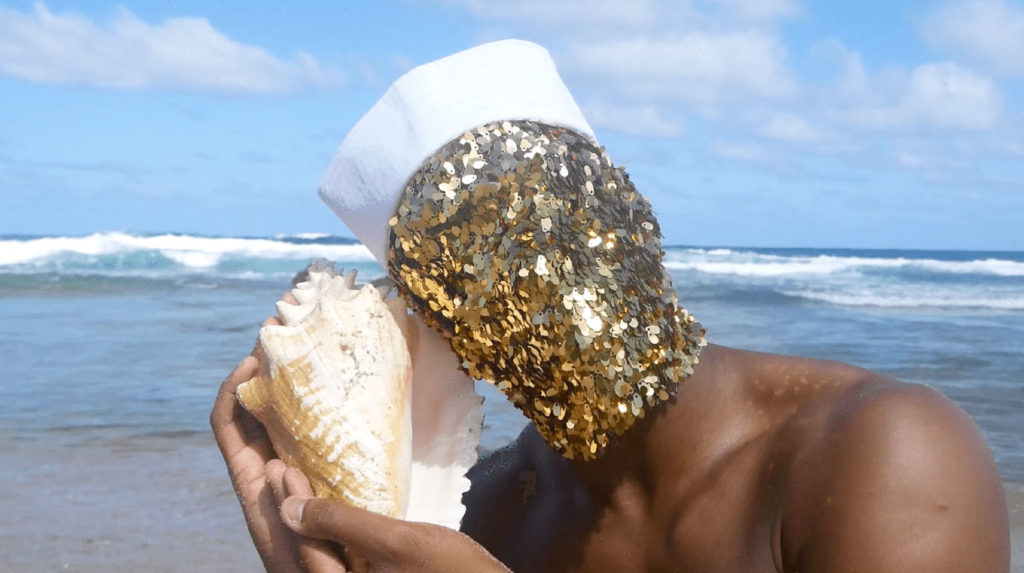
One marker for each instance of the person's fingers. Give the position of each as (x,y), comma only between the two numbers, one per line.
(246,449)
(275,477)
(388,544)
(316,555)
(295,483)
(289,298)
(362,532)
(236,431)
(242,440)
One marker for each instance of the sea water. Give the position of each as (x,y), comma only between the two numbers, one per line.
(117,338)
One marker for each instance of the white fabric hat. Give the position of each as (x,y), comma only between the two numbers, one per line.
(425,109)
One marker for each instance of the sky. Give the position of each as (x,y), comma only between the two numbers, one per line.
(767,123)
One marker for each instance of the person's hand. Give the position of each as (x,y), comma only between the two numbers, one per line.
(315,555)
(377,543)
(257,475)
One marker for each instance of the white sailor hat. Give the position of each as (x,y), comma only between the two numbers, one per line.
(425,109)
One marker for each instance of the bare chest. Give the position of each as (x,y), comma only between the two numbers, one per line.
(727,527)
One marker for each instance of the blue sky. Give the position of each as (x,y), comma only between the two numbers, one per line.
(746,122)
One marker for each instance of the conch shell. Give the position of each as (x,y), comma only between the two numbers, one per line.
(367,401)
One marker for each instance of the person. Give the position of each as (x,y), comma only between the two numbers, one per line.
(647,449)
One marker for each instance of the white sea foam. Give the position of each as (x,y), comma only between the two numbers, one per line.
(727,262)
(901,281)
(186,250)
(912,300)
(193,259)
(305,236)
(982,266)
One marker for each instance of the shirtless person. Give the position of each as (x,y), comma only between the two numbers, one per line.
(752,463)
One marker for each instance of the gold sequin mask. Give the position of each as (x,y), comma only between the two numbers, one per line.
(541,263)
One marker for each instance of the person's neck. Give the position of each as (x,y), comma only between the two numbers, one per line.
(677,438)
(625,459)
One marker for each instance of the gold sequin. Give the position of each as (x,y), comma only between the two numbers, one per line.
(541,262)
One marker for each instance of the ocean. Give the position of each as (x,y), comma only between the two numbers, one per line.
(113,345)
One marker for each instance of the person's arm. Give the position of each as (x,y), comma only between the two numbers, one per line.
(901,481)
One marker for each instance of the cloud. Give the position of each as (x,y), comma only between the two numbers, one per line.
(965,162)
(180,54)
(698,66)
(988,31)
(933,96)
(641,120)
(758,10)
(587,17)
(946,95)
(791,128)
(712,52)
(724,70)
(574,16)
(745,151)
(930,96)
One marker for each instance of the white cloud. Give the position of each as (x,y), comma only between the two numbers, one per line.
(743,151)
(844,69)
(792,128)
(643,67)
(698,66)
(587,17)
(946,95)
(724,67)
(179,53)
(935,160)
(990,31)
(709,52)
(576,15)
(641,120)
(932,96)
(911,160)
(758,9)
(937,95)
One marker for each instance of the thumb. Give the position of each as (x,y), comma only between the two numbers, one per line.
(367,533)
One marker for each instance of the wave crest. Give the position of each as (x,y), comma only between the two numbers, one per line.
(745,263)
(186,250)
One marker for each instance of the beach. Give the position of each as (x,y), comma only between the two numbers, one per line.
(114,346)
(1015,506)
(157,504)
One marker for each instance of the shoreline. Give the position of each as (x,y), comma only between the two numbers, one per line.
(158,504)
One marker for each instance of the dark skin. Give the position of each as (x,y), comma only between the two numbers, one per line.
(760,463)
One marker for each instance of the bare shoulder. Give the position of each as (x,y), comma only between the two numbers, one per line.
(898,478)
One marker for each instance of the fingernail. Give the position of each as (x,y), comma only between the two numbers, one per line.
(292,509)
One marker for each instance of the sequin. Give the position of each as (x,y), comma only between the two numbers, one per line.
(542,264)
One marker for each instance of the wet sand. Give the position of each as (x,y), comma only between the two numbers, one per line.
(153,504)
(1015,505)
(160,503)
